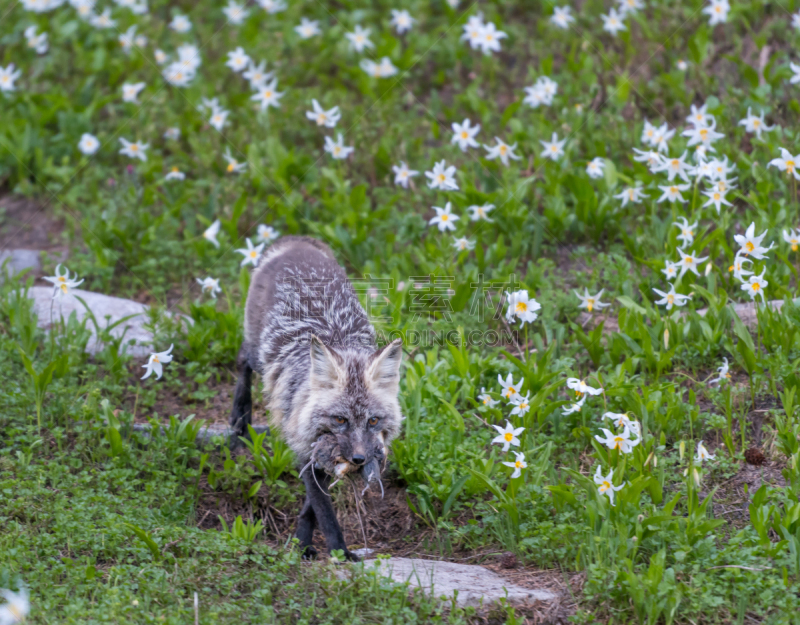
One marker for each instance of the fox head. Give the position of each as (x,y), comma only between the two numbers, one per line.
(353,396)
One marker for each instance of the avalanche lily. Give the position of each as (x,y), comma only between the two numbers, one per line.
(156,362)
(590,302)
(605,484)
(508,436)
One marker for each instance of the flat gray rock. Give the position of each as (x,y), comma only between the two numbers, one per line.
(14,262)
(475,584)
(102,306)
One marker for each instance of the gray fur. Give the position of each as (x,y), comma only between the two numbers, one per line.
(310,340)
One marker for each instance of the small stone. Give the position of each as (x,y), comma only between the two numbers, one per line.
(508,560)
(754,456)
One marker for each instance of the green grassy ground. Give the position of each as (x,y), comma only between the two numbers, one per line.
(101,527)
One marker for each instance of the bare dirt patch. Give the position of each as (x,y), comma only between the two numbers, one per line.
(213,409)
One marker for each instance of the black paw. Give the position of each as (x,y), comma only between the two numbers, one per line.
(309,552)
(351,557)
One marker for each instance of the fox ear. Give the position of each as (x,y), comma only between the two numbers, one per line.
(326,370)
(384,370)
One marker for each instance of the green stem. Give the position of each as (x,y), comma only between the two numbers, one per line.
(527,347)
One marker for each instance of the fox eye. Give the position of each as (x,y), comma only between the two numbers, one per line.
(373,420)
(340,420)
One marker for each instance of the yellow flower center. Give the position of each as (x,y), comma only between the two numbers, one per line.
(64,287)
(321,119)
(670,299)
(688,260)
(590,304)
(604,486)
(253,254)
(518,464)
(508,436)
(717,196)
(441,178)
(521,307)
(444,217)
(503,149)
(675,162)
(155,359)
(749,246)
(756,286)
(268,94)
(756,123)
(704,133)
(553,148)
(618,441)
(175,169)
(789,165)
(464,134)
(511,391)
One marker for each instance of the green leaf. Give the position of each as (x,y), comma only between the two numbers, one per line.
(115,440)
(628,303)
(457,421)
(459,485)
(254,489)
(509,112)
(146,539)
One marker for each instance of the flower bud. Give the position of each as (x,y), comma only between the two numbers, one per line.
(682,449)
(666,338)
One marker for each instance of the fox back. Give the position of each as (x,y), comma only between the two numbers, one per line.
(309,338)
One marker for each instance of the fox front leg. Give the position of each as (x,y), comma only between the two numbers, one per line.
(317,493)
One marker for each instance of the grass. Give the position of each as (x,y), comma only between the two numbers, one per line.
(104,525)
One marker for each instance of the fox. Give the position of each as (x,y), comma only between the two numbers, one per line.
(325,382)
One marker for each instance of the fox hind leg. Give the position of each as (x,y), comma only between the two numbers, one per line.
(242,411)
(306,523)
